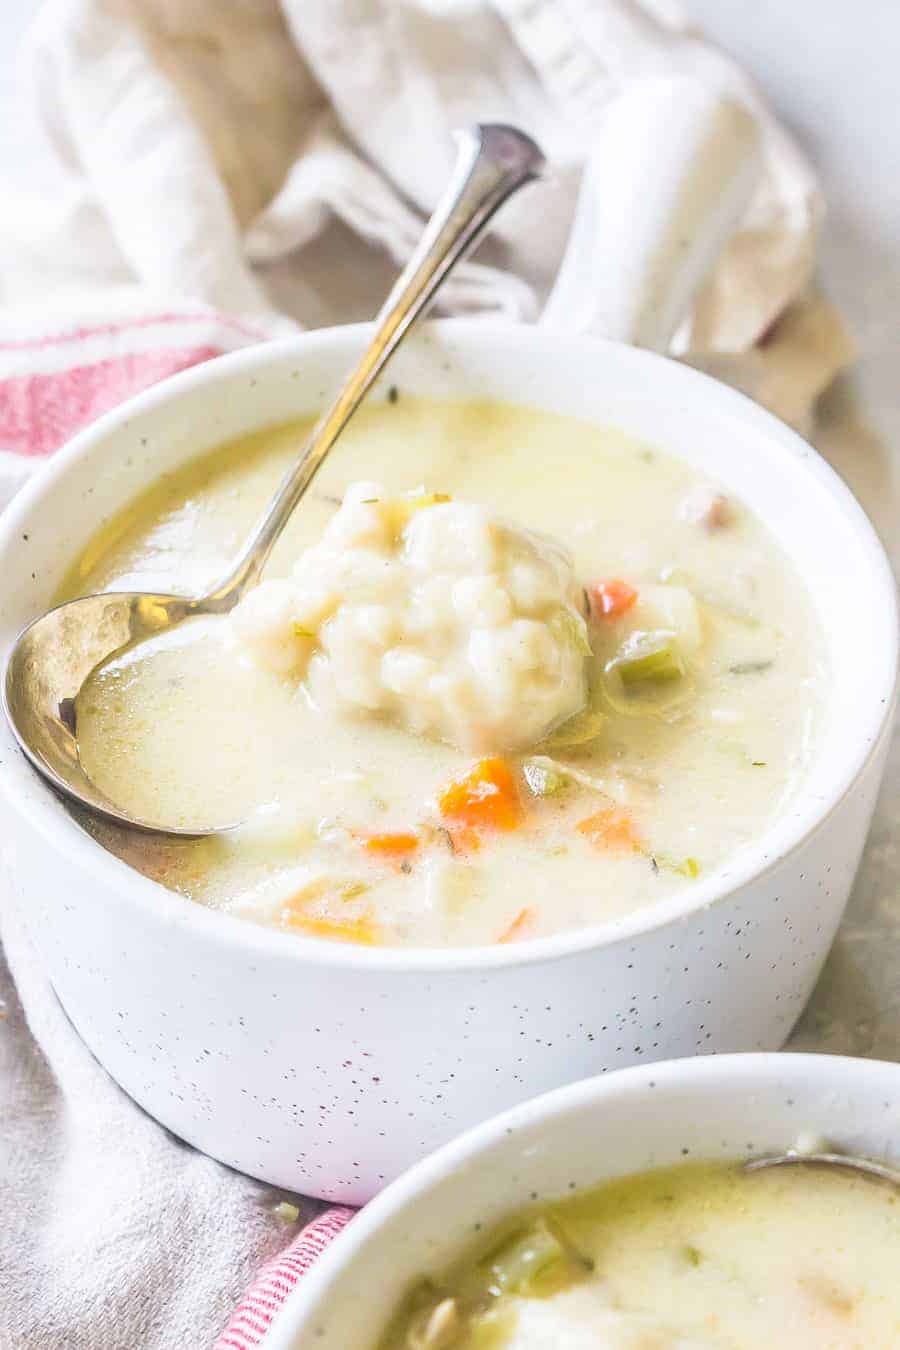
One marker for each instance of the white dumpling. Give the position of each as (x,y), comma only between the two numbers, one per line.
(439,615)
(581,1319)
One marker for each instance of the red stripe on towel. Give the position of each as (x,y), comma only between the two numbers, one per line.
(39,412)
(276,1280)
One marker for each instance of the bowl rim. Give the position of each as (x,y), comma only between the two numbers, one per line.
(752,863)
(743,1071)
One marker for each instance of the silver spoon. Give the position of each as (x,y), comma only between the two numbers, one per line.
(54,656)
(844,1160)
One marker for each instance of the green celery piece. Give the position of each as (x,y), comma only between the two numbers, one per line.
(570,627)
(578,729)
(515,1266)
(649,658)
(543,779)
(685,867)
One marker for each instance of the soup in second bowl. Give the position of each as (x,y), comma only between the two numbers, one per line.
(509,674)
(688,1258)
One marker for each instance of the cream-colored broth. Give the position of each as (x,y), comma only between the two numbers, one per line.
(190,732)
(690,1258)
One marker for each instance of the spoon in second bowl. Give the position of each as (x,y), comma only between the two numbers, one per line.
(55,655)
(847,1161)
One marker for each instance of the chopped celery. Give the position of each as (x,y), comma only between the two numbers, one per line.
(569,626)
(546,776)
(533,1260)
(528,1254)
(569,772)
(648,658)
(544,779)
(578,730)
(685,867)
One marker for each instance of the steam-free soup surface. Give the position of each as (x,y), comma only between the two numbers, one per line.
(702,679)
(691,1258)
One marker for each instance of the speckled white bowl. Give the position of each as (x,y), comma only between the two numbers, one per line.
(733,1106)
(326,1068)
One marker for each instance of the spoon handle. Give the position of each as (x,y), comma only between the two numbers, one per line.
(494,161)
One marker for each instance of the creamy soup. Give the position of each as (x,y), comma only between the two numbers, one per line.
(508,674)
(690,1258)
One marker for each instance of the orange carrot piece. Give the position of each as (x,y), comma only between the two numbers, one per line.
(611,599)
(352,928)
(394,847)
(486,797)
(521,927)
(464,839)
(613,829)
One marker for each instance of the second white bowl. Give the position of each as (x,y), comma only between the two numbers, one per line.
(729,1107)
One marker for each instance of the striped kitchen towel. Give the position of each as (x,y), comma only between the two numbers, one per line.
(275,1281)
(57,375)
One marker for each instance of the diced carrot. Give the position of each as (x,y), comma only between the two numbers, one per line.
(521,926)
(613,828)
(350,928)
(464,839)
(611,599)
(394,847)
(486,797)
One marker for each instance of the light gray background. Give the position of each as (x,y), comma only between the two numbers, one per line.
(830,68)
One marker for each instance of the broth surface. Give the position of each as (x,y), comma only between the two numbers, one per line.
(695,1257)
(189,730)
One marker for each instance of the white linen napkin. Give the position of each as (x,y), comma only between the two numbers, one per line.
(275,159)
(263,167)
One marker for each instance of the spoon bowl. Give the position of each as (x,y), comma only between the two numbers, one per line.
(47,669)
(55,655)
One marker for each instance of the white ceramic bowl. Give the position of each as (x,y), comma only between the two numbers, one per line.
(733,1106)
(326,1068)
